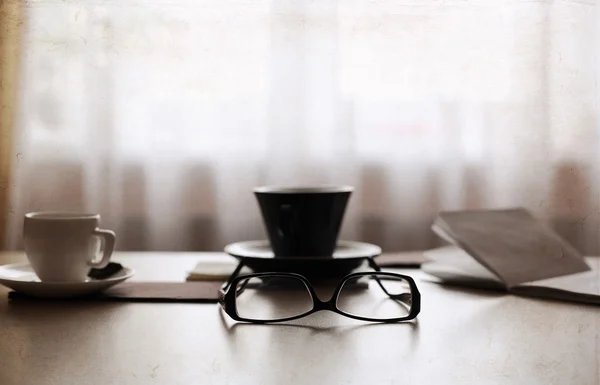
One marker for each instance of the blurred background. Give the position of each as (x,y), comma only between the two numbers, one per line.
(163,115)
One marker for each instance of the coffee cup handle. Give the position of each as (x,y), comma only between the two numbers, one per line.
(109,239)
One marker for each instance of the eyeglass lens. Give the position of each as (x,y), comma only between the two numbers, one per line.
(272,298)
(375,296)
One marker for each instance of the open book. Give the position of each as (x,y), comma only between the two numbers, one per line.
(510,250)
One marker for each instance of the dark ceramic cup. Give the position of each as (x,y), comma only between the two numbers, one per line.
(303,221)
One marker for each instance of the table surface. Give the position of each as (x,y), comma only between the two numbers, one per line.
(461,337)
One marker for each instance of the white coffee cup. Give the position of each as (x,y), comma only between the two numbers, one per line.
(63,246)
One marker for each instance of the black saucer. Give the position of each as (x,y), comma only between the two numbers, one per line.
(259,257)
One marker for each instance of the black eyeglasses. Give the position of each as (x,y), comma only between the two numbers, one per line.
(276,297)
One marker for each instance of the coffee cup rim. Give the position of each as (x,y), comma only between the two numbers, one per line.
(60,215)
(307,189)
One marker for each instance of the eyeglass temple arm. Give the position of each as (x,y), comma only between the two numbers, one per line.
(242,286)
(404,297)
(235,273)
(372,264)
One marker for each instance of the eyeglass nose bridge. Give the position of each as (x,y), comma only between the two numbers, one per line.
(323,305)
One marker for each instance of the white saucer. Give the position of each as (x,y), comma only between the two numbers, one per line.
(262,249)
(21,278)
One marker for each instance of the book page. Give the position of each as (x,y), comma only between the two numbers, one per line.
(512,244)
(453,265)
(585,283)
(580,287)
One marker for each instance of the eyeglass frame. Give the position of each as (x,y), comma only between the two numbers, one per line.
(227,295)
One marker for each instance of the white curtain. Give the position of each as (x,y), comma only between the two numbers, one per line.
(162,115)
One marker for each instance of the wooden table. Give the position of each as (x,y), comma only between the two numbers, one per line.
(462,337)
